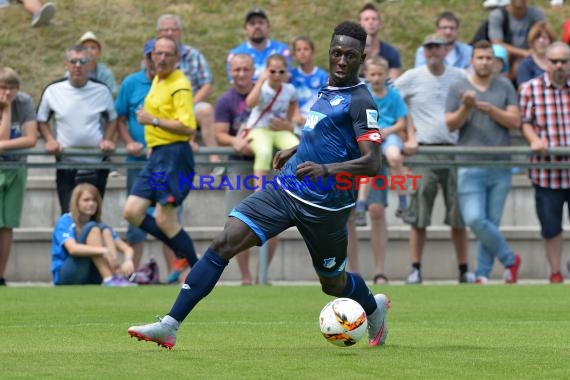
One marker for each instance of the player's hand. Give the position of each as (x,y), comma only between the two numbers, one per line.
(53,147)
(282,156)
(312,170)
(107,146)
(134,149)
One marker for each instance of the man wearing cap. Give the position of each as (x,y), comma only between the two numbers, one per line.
(80,108)
(195,66)
(97,70)
(483,108)
(458,54)
(424,89)
(258,44)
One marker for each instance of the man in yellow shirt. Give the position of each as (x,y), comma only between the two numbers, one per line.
(165,181)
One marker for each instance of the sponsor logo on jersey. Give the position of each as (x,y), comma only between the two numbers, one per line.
(312,119)
(336,100)
(372,118)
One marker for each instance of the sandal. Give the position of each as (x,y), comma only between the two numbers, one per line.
(380,278)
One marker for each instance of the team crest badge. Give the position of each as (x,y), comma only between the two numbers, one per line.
(329,262)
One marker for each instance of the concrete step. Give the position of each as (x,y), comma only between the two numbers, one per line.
(204,208)
(31,254)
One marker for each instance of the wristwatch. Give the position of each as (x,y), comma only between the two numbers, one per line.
(156,122)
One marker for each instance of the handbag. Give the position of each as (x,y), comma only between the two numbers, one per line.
(246,130)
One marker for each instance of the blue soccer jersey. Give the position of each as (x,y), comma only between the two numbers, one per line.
(260,57)
(339,119)
(308,86)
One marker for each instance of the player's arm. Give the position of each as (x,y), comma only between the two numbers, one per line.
(367,164)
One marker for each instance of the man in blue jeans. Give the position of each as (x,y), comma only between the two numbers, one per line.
(484,107)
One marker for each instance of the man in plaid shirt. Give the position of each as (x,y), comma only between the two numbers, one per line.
(545,109)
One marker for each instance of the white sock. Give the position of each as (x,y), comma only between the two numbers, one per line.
(107,278)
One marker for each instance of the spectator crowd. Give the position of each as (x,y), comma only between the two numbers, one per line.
(513,75)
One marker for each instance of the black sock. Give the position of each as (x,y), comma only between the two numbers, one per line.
(417,266)
(462,268)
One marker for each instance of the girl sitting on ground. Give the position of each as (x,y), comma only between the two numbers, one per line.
(84,250)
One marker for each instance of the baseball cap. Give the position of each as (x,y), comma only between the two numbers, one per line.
(148,47)
(90,36)
(255,12)
(434,39)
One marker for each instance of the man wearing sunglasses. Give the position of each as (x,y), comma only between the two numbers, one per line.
(545,106)
(84,118)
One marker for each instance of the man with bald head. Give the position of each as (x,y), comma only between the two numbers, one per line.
(545,106)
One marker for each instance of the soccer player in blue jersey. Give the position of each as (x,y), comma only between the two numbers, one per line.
(341,136)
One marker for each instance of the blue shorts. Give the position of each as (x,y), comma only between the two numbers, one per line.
(549,205)
(392,140)
(167,175)
(134,234)
(269,212)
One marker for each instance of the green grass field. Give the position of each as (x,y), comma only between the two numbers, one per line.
(439,332)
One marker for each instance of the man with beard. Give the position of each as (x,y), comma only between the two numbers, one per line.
(258,44)
(483,107)
(545,106)
(457,54)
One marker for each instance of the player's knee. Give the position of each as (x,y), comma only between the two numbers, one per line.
(223,246)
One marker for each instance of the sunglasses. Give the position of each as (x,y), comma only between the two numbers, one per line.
(277,72)
(81,61)
(557,61)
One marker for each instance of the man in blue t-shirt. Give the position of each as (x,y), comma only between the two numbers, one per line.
(258,44)
(338,140)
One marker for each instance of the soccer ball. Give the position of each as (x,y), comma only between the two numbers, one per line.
(343,322)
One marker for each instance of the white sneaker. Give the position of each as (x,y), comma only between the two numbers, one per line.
(377,324)
(159,332)
(415,277)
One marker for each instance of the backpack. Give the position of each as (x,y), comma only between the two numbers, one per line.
(482,32)
(147,274)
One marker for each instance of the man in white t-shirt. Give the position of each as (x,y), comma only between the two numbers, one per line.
(84,117)
(424,89)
